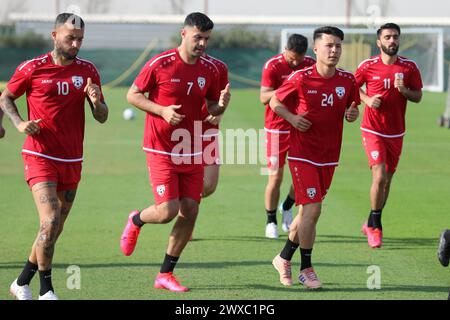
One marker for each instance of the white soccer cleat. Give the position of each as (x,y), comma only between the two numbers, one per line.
(50,295)
(271,231)
(20,292)
(286,218)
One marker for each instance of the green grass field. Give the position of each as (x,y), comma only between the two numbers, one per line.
(230,258)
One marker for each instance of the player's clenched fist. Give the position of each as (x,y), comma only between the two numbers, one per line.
(375,101)
(93,91)
(171,116)
(299,122)
(214,120)
(399,83)
(29,127)
(352,113)
(225,96)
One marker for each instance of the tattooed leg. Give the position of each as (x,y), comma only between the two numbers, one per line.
(47,204)
(65,202)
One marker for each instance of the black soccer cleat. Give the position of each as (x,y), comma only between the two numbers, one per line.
(444,248)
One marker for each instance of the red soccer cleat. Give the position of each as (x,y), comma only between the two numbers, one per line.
(129,235)
(169,282)
(374,236)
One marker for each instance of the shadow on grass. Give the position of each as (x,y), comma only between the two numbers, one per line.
(183,265)
(390,288)
(388,242)
(329,288)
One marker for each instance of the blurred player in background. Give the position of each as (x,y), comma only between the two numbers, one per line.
(56,86)
(444,250)
(325,96)
(275,71)
(391,81)
(178,82)
(2,130)
(210,137)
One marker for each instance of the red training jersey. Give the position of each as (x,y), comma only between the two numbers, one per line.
(326,101)
(223,81)
(55,94)
(389,119)
(171,81)
(275,71)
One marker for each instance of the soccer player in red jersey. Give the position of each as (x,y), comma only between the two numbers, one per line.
(210,135)
(391,80)
(326,95)
(56,86)
(275,71)
(2,130)
(178,82)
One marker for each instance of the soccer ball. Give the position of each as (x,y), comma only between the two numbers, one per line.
(128,114)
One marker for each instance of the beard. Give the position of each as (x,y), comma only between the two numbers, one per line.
(198,51)
(390,51)
(66,53)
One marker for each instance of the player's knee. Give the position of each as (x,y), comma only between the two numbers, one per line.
(275,181)
(315,214)
(167,212)
(208,189)
(189,210)
(312,213)
(380,178)
(165,217)
(48,231)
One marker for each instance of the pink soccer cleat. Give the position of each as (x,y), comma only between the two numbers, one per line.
(309,279)
(129,235)
(169,282)
(283,267)
(374,236)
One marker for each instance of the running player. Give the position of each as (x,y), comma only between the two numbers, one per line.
(326,95)
(275,71)
(391,80)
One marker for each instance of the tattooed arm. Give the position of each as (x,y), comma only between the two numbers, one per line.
(99,111)
(99,108)
(9,107)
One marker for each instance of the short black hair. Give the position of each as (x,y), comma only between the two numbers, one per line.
(297,43)
(389,25)
(334,31)
(199,20)
(65,17)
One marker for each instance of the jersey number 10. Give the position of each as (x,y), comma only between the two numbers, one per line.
(63,88)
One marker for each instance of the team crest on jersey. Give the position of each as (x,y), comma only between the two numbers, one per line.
(161,189)
(374,155)
(201,82)
(77,81)
(311,192)
(340,91)
(399,75)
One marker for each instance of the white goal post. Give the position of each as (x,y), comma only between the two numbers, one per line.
(425,46)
